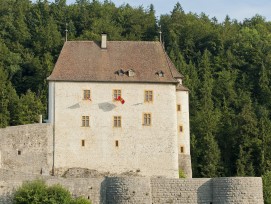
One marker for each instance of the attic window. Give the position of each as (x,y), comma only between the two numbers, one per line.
(160,73)
(120,72)
(131,73)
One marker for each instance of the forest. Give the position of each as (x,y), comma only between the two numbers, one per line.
(227,68)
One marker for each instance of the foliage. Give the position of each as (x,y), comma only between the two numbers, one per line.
(267,187)
(181,174)
(227,68)
(36,192)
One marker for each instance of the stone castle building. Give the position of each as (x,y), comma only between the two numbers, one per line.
(119,106)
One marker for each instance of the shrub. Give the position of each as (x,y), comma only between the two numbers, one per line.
(37,192)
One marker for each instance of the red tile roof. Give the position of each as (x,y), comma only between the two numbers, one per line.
(86,61)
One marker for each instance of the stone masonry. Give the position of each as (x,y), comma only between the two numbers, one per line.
(146,190)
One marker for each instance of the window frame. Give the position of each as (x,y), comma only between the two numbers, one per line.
(85,119)
(117,93)
(148,98)
(179,107)
(147,119)
(117,121)
(180,128)
(83,143)
(182,149)
(85,95)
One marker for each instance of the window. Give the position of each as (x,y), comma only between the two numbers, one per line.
(87,95)
(181,128)
(116,143)
(19,152)
(178,107)
(147,119)
(116,94)
(160,73)
(131,73)
(182,149)
(85,121)
(117,121)
(83,143)
(148,96)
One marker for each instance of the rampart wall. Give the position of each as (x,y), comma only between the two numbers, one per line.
(145,190)
(27,148)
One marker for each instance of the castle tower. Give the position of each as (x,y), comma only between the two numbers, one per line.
(182,98)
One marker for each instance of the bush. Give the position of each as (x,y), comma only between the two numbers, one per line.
(37,192)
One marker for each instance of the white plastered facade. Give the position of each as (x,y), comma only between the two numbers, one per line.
(149,150)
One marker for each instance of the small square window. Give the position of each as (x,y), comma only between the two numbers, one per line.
(181,128)
(148,96)
(116,94)
(182,149)
(147,119)
(117,121)
(82,143)
(178,107)
(85,121)
(87,95)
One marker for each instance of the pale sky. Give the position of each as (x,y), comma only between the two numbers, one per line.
(236,9)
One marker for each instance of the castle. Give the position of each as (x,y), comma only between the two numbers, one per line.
(117,131)
(119,106)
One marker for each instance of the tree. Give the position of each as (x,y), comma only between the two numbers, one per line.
(30,107)
(267,187)
(37,192)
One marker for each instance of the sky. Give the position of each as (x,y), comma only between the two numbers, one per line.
(236,9)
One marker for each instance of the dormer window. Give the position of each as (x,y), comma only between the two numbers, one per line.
(120,72)
(160,73)
(131,73)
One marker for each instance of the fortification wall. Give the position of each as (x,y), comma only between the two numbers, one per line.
(128,190)
(238,190)
(181,191)
(27,148)
(144,190)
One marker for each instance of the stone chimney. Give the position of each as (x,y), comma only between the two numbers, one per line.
(104,39)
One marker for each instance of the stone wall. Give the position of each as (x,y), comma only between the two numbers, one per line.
(148,150)
(27,148)
(238,190)
(128,190)
(144,190)
(181,191)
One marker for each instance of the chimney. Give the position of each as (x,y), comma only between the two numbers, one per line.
(103,43)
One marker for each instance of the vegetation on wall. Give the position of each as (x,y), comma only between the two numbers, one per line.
(227,68)
(37,192)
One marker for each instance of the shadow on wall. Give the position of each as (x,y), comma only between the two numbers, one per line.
(103,192)
(205,193)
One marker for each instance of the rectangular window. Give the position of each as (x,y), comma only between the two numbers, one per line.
(182,149)
(87,95)
(178,107)
(181,128)
(85,121)
(116,94)
(147,119)
(116,143)
(117,121)
(148,96)
(83,143)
